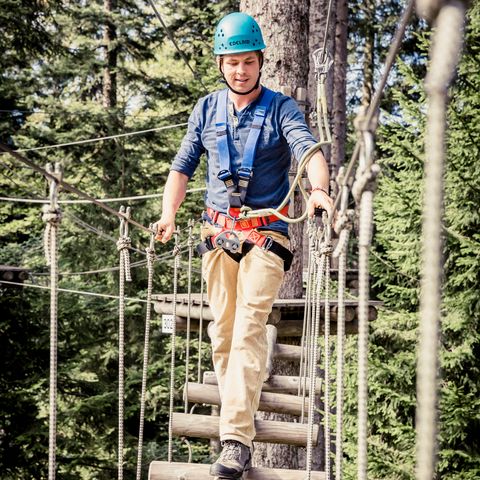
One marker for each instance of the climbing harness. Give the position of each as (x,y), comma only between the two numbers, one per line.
(52,216)
(237,192)
(146,346)
(123,246)
(228,239)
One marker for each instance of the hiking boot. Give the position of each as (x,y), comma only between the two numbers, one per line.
(234,459)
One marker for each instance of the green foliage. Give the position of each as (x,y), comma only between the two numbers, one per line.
(396,269)
(53,79)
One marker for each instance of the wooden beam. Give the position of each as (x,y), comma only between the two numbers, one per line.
(276,383)
(291,353)
(269,402)
(269,431)
(192,471)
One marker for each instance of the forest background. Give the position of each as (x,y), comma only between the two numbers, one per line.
(57,86)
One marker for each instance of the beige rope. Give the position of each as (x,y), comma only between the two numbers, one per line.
(445,54)
(341,252)
(123,246)
(324,251)
(146,345)
(52,216)
(307,318)
(326,400)
(191,224)
(176,252)
(200,330)
(364,241)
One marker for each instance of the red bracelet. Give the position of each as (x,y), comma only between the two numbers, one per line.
(319,188)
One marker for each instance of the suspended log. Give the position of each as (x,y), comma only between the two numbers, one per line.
(292,328)
(276,383)
(205,426)
(165,305)
(192,471)
(291,353)
(269,402)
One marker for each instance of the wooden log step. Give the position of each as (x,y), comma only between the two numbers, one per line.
(192,471)
(269,431)
(292,353)
(269,402)
(276,383)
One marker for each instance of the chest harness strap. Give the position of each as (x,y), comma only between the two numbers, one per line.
(237,193)
(227,238)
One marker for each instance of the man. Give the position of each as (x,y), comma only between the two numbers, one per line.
(248,134)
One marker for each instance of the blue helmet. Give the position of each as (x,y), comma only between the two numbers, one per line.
(237,33)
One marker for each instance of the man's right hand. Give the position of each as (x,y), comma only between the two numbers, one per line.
(165,228)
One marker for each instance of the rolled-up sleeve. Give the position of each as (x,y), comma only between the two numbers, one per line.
(294,128)
(191,149)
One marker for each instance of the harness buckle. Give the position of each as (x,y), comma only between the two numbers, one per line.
(228,240)
(267,244)
(224,175)
(245,173)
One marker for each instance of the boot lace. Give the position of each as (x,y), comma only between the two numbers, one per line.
(231,451)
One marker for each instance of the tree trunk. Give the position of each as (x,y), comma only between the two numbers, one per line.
(285,26)
(110,56)
(285,30)
(339,110)
(368,52)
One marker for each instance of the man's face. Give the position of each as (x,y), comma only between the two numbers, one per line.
(241,70)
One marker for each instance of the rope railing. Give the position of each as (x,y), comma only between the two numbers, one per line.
(52,216)
(70,188)
(101,200)
(445,53)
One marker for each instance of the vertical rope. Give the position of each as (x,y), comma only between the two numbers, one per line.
(52,217)
(314,257)
(150,270)
(365,236)
(324,251)
(342,267)
(123,244)
(327,367)
(306,322)
(176,266)
(189,299)
(200,330)
(445,53)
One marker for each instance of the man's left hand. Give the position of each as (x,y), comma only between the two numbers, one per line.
(319,199)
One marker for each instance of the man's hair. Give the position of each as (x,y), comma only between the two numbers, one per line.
(258,52)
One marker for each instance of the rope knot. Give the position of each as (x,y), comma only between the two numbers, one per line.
(51,215)
(326,250)
(366,182)
(123,243)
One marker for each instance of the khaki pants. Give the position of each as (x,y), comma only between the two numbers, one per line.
(241,296)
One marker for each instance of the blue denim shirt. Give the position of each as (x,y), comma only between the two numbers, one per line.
(284,132)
